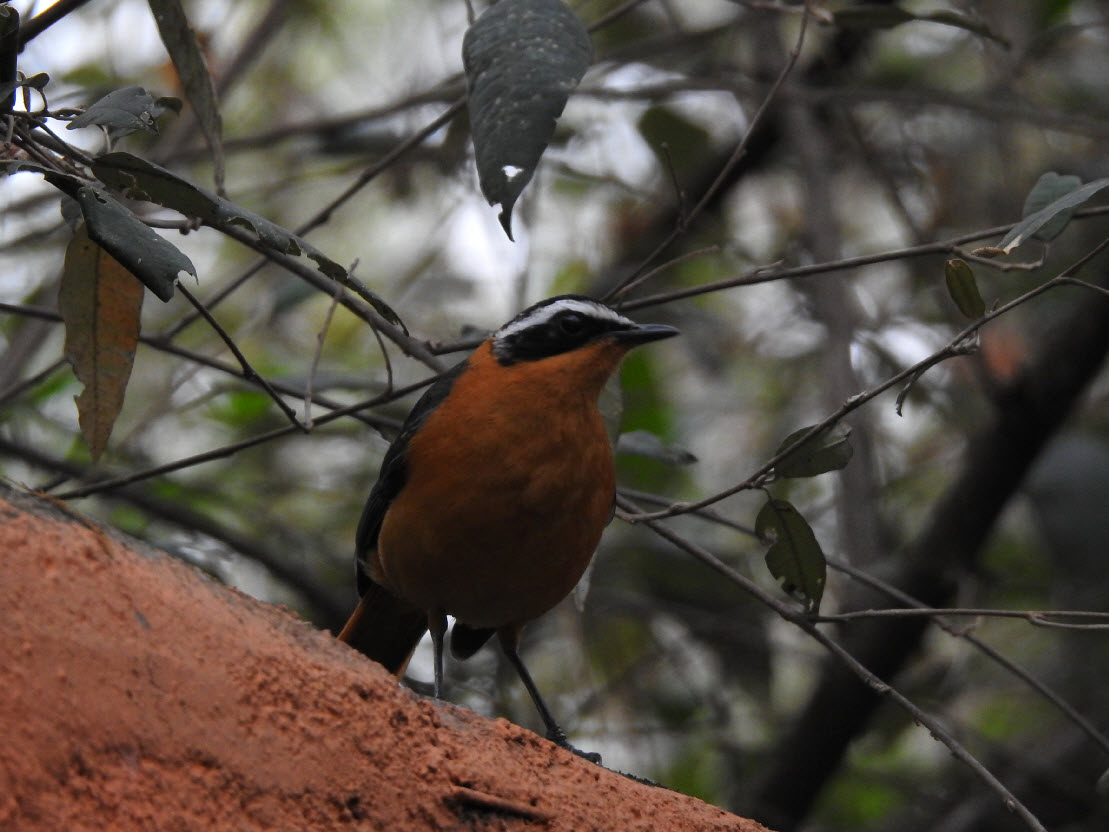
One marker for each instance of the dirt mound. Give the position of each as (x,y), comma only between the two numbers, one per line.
(135,693)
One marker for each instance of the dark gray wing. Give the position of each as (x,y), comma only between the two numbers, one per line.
(394,471)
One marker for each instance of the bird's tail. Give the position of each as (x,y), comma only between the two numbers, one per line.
(385,628)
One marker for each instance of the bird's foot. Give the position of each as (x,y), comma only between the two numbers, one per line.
(559,738)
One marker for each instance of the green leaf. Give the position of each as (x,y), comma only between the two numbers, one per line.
(522,59)
(827,450)
(794,556)
(101,305)
(1048,188)
(145,180)
(1028,227)
(138,248)
(124,111)
(963,289)
(188,59)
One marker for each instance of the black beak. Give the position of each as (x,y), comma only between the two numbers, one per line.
(644,334)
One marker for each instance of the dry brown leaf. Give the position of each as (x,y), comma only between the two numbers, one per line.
(101,304)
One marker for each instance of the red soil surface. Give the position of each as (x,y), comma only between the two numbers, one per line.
(136,693)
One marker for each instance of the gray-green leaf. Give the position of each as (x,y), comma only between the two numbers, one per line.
(522,59)
(1048,188)
(138,248)
(123,111)
(1031,224)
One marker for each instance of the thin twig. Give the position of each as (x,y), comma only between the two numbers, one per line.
(19,387)
(318,353)
(768,274)
(1039,618)
(740,151)
(41,22)
(249,372)
(409,345)
(1071,281)
(159,343)
(233,448)
(374,170)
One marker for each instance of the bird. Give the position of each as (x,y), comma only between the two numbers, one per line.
(493,497)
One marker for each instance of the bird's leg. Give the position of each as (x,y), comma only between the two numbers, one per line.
(437,626)
(509,638)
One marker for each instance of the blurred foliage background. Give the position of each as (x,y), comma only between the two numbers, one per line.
(813,272)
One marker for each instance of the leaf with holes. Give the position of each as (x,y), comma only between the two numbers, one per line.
(139,249)
(826,450)
(522,59)
(101,305)
(1063,206)
(794,556)
(125,111)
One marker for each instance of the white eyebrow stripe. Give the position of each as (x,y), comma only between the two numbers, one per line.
(545,313)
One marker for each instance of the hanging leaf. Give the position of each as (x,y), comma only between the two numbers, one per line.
(101,305)
(144,180)
(1028,227)
(125,111)
(188,59)
(827,450)
(522,59)
(794,556)
(139,249)
(959,277)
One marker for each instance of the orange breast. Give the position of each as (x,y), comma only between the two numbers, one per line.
(509,486)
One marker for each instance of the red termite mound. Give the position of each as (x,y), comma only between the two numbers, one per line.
(136,693)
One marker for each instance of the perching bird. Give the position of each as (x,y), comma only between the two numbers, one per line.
(493,497)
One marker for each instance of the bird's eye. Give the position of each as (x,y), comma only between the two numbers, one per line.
(571,323)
